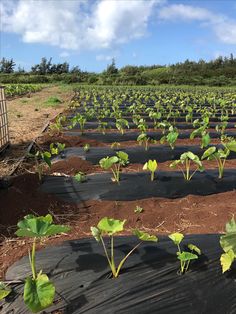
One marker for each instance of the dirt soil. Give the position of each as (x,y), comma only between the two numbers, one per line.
(191,214)
(27,116)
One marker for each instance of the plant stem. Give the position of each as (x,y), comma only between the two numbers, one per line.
(152,175)
(32,260)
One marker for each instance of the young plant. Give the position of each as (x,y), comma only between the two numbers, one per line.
(121,124)
(220,155)
(4,290)
(102,126)
(205,136)
(184,164)
(144,139)
(57,126)
(86,148)
(151,165)
(185,257)
(80,177)
(45,157)
(39,291)
(138,209)
(228,244)
(171,137)
(78,119)
(115,145)
(57,148)
(110,227)
(115,163)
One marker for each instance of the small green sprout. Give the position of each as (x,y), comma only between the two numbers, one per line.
(186,159)
(115,163)
(115,145)
(185,257)
(110,227)
(151,165)
(80,177)
(39,292)
(4,290)
(57,148)
(86,147)
(138,209)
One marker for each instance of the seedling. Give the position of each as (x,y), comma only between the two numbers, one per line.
(102,127)
(185,257)
(56,148)
(151,165)
(4,290)
(45,157)
(144,139)
(57,127)
(171,137)
(205,136)
(185,161)
(39,291)
(138,209)
(86,148)
(115,145)
(80,177)
(110,227)
(121,124)
(78,119)
(115,163)
(220,155)
(228,244)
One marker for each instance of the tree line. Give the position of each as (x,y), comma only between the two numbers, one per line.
(220,71)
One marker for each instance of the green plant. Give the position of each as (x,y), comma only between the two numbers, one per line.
(4,290)
(121,124)
(228,244)
(57,148)
(78,119)
(110,227)
(151,165)
(39,291)
(57,126)
(41,156)
(185,160)
(171,137)
(220,155)
(114,163)
(86,147)
(115,145)
(138,209)
(80,177)
(185,257)
(144,139)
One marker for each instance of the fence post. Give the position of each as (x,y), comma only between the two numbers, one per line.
(4,131)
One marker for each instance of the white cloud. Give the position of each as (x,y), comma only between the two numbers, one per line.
(222,26)
(76,25)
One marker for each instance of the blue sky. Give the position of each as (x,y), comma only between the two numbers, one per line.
(89,33)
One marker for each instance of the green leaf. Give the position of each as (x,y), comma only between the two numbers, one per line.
(47,158)
(96,233)
(231,226)
(32,226)
(186,256)
(110,225)
(231,146)
(4,291)
(123,157)
(176,237)
(194,248)
(80,177)
(38,293)
(151,165)
(108,162)
(175,163)
(210,151)
(226,260)
(143,236)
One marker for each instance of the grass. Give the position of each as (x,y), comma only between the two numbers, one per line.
(52,101)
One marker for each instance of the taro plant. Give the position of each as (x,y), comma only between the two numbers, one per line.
(115,145)
(39,291)
(4,290)
(151,165)
(115,163)
(220,155)
(144,139)
(121,124)
(56,148)
(40,158)
(80,177)
(185,257)
(78,119)
(138,209)
(102,126)
(57,126)
(205,136)
(228,244)
(86,147)
(110,227)
(184,163)
(171,137)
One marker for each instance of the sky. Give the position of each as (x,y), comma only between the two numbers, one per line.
(89,33)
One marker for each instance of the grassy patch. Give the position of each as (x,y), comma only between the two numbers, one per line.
(52,101)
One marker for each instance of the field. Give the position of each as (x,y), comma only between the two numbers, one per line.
(163,158)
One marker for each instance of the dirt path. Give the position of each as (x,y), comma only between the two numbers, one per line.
(27,116)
